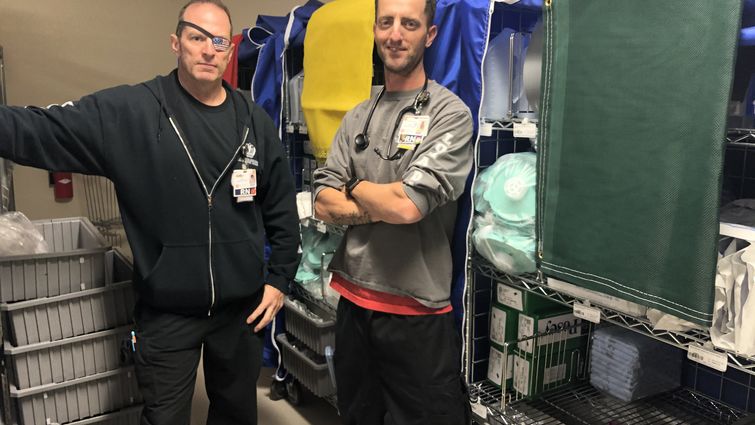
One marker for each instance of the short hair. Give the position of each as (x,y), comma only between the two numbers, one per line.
(429,11)
(218,3)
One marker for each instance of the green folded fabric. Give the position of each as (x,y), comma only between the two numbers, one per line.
(633,116)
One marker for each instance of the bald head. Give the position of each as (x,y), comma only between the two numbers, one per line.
(218,3)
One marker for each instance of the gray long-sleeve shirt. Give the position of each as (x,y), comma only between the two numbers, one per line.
(408,259)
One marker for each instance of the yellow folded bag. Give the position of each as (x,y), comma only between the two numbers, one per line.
(337,67)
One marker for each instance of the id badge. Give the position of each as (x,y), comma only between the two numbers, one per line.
(244,184)
(412,131)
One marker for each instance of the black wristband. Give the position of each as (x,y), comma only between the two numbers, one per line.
(351,184)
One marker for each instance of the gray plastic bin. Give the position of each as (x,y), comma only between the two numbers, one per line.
(117,267)
(128,416)
(67,359)
(79,399)
(66,316)
(76,262)
(315,334)
(312,375)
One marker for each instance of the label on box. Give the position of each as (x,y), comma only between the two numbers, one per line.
(526,328)
(498,326)
(550,329)
(554,374)
(525,130)
(510,297)
(585,312)
(486,129)
(713,359)
(495,367)
(521,375)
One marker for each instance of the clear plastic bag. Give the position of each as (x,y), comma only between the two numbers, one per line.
(19,236)
(317,251)
(509,248)
(733,327)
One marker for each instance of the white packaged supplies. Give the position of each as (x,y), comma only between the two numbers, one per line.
(734,305)
(630,366)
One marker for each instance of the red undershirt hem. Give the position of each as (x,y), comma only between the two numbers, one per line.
(381,301)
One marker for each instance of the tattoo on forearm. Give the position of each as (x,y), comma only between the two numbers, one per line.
(352,219)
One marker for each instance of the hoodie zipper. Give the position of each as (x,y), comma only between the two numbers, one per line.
(208,194)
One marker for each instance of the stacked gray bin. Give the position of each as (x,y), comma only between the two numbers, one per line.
(65,315)
(314,334)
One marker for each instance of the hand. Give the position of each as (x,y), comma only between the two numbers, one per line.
(272,301)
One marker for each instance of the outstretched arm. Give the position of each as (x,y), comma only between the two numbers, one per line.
(59,138)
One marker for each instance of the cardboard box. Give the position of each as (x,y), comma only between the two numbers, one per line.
(523,300)
(546,370)
(559,328)
(496,366)
(503,326)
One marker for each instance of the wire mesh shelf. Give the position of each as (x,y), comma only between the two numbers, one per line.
(6,186)
(489,396)
(102,208)
(323,226)
(583,404)
(6,166)
(327,310)
(741,137)
(535,283)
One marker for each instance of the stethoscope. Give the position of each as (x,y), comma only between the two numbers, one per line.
(362,140)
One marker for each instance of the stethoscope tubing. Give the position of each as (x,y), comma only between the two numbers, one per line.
(362,140)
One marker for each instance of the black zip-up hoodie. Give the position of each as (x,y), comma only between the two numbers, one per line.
(193,253)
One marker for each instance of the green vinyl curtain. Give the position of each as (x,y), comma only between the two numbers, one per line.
(633,119)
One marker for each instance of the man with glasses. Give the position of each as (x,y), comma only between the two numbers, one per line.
(394,171)
(202,180)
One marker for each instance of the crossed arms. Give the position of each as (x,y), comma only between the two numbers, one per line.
(369,202)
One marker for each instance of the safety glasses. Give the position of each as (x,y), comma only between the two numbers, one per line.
(221,44)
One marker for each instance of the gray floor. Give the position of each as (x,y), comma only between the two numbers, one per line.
(313,411)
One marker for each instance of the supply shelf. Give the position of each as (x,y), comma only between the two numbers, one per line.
(535,283)
(582,404)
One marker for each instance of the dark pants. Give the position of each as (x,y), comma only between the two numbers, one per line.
(168,348)
(398,370)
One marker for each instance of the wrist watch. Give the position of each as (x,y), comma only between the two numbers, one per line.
(351,184)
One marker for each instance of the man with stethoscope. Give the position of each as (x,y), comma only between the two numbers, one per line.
(396,167)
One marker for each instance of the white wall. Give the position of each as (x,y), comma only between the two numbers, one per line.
(58,50)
